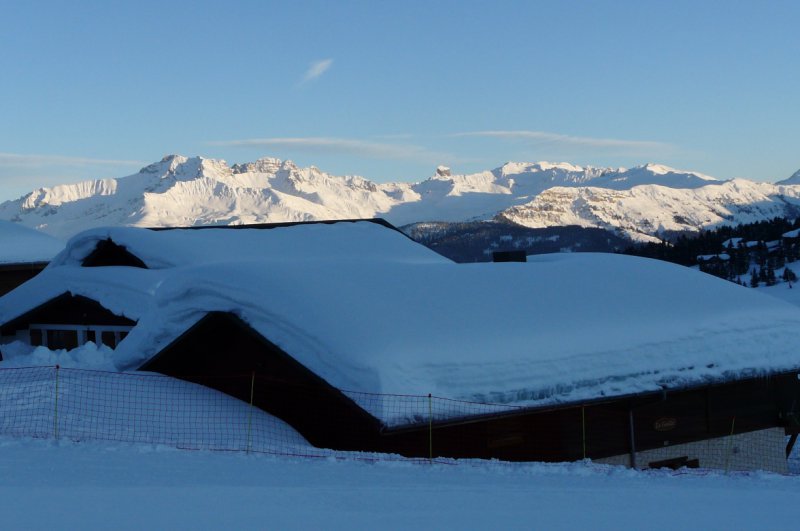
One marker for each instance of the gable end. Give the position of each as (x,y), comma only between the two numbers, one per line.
(108,253)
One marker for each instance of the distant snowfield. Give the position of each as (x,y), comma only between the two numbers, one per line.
(783,292)
(49,485)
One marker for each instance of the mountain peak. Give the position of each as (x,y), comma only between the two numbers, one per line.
(512,168)
(268,165)
(166,164)
(794,179)
(661,169)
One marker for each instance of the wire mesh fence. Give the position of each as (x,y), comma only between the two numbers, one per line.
(86,405)
(402,410)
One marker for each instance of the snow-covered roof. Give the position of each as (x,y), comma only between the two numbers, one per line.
(387,315)
(731,242)
(21,245)
(706,257)
(158,249)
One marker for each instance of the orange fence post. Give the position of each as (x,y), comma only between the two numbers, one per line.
(583,429)
(430,428)
(730,442)
(55,408)
(250,412)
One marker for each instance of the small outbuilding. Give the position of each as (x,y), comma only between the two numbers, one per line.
(24,253)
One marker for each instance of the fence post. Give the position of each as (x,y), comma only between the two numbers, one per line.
(250,411)
(55,407)
(430,428)
(730,443)
(583,429)
(633,438)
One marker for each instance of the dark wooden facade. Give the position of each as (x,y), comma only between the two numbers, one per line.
(108,253)
(13,275)
(75,313)
(66,309)
(611,427)
(224,353)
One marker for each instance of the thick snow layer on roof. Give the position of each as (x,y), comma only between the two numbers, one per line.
(565,325)
(560,328)
(342,241)
(125,291)
(21,245)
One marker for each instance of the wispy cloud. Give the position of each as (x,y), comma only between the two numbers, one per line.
(362,148)
(544,137)
(316,69)
(17,160)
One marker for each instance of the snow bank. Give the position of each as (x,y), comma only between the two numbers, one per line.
(100,486)
(144,408)
(89,356)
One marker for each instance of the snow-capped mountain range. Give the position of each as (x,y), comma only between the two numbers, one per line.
(642,203)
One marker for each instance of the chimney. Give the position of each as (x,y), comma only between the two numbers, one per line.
(509,256)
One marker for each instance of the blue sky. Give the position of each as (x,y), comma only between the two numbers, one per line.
(390,90)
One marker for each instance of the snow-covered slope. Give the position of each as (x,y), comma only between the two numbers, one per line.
(643,202)
(21,245)
(650,210)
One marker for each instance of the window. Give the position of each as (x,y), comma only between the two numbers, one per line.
(36,337)
(107,338)
(62,339)
(65,336)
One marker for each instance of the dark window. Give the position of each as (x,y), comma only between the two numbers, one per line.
(123,335)
(91,336)
(58,339)
(36,338)
(107,338)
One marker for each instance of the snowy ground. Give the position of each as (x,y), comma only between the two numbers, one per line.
(61,485)
(783,291)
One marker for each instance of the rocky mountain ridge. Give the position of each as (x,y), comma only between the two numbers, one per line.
(642,203)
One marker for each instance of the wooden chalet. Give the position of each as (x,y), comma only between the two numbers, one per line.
(682,425)
(24,253)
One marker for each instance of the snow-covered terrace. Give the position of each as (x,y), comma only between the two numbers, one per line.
(369,310)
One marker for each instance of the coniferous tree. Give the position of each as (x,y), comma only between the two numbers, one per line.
(754,279)
(770,274)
